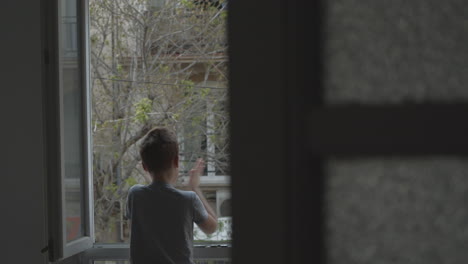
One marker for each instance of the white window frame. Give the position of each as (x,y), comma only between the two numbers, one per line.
(58,246)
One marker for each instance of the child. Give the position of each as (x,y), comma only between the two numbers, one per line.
(161,216)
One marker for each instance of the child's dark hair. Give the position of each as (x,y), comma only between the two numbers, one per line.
(159,149)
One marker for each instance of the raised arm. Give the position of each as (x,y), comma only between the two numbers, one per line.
(210,225)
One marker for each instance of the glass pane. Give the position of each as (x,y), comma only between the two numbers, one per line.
(397,210)
(395,52)
(152,67)
(72,119)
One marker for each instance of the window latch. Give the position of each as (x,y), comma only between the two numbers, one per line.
(49,249)
(45,249)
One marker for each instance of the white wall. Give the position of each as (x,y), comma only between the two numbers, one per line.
(22,224)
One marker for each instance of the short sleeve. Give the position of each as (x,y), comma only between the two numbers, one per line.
(128,211)
(199,212)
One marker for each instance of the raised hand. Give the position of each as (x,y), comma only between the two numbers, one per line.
(195,174)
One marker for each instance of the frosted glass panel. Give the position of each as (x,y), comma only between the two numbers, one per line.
(397,210)
(393,52)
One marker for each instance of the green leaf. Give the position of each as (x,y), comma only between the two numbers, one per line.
(111,188)
(142,109)
(130,181)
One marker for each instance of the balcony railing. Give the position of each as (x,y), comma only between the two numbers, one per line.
(120,254)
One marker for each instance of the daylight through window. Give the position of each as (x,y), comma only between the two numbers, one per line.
(158,63)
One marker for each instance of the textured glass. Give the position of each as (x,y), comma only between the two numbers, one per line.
(71,85)
(397,210)
(395,52)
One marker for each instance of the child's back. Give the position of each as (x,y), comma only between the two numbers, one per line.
(162,223)
(161,216)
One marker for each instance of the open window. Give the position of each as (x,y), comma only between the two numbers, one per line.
(103,88)
(68,138)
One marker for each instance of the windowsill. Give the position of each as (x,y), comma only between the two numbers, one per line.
(127,246)
(103,251)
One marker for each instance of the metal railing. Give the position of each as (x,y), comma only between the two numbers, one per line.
(120,254)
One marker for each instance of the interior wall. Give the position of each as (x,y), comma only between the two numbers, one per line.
(22,205)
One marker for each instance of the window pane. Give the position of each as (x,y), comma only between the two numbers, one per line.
(397,210)
(72,119)
(395,52)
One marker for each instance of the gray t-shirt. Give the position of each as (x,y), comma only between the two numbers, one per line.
(162,223)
